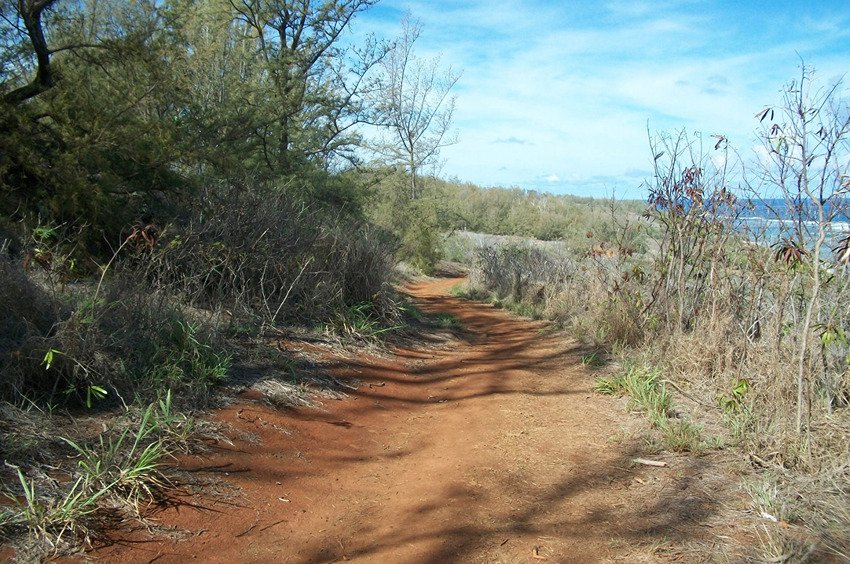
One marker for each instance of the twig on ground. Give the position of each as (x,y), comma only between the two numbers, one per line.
(684,393)
(646,462)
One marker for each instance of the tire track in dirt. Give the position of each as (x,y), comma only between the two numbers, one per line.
(492,449)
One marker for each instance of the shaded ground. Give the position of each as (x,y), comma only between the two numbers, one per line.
(486,449)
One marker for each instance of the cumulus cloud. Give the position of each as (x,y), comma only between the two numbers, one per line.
(576,86)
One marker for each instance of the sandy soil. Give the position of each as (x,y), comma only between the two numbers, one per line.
(491,448)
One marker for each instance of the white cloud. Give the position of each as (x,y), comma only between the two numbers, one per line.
(513,141)
(573,87)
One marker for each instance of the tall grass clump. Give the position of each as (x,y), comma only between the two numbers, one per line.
(103,478)
(642,384)
(647,392)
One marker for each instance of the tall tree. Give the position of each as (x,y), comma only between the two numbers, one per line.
(415,106)
(314,87)
(23,22)
(95,144)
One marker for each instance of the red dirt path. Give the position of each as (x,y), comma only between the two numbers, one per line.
(492,449)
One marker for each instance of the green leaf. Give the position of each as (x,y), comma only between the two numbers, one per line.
(47,361)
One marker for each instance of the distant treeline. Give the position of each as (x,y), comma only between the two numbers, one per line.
(514,211)
(463,206)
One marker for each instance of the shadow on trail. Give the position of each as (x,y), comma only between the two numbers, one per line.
(505,350)
(537,513)
(586,500)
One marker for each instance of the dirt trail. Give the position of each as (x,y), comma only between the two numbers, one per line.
(491,450)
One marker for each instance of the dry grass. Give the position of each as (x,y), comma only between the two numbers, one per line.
(263,257)
(734,355)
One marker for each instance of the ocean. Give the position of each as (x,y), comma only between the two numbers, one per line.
(769,221)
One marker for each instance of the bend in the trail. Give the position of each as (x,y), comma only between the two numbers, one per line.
(489,449)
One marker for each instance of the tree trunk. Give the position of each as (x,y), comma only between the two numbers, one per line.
(44,79)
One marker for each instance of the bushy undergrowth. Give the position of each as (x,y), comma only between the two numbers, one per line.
(265,256)
(156,317)
(125,345)
(156,322)
(28,313)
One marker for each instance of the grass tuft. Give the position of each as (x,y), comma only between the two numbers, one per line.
(647,393)
(118,469)
(361,321)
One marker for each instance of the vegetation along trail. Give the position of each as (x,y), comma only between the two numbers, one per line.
(491,448)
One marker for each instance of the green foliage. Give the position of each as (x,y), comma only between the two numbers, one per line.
(683,435)
(595,359)
(361,321)
(441,319)
(410,310)
(734,402)
(55,517)
(119,469)
(448,321)
(642,383)
(608,386)
(162,102)
(523,309)
(127,465)
(421,245)
(183,356)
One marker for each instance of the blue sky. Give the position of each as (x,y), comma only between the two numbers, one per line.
(558,96)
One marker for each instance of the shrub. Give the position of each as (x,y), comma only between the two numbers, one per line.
(29,317)
(263,256)
(128,345)
(421,244)
(521,272)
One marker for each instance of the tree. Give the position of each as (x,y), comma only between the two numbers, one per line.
(93,143)
(26,20)
(415,106)
(312,88)
(806,160)
(110,111)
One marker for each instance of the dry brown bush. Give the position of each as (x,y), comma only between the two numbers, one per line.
(264,256)
(519,271)
(29,316)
